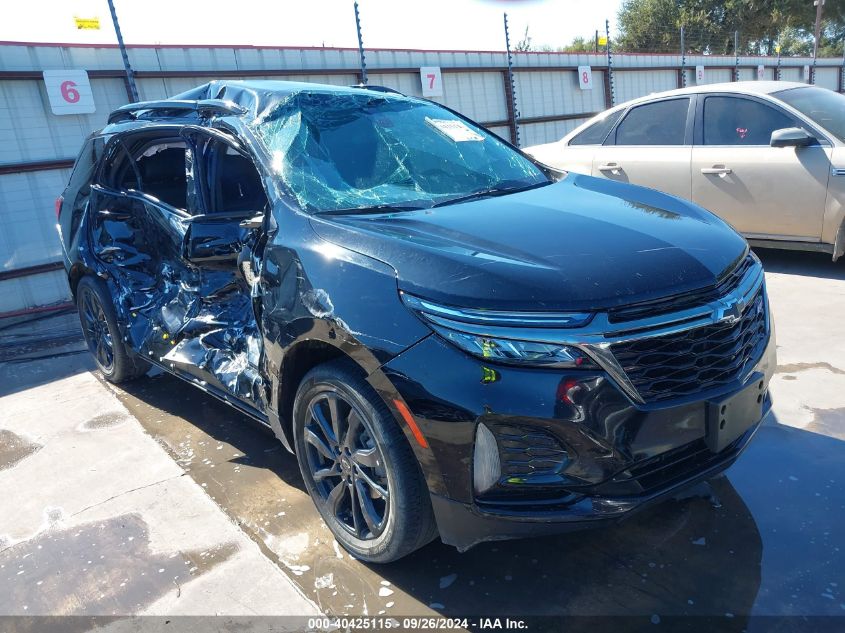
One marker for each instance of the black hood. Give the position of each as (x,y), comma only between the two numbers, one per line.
(580,244)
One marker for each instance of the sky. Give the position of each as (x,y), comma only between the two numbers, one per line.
(426,24)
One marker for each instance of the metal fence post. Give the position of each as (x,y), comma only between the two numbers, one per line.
(510,89)
(736,55)
(777,70)
(683,82)
(361,46)
(612,95)
(842,73)
(131,88)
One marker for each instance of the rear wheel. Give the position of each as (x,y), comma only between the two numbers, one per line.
(358,466)
(99,328)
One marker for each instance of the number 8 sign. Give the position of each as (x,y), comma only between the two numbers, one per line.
(585,77)
(69,91)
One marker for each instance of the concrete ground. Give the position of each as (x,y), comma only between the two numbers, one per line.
(766,539)
(97,519)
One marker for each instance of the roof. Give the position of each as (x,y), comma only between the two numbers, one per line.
(257,96)
(250,99)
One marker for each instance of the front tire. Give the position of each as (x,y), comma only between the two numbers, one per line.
(358,466)
(99,328)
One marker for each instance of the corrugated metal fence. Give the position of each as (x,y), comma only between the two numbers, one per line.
(37,147)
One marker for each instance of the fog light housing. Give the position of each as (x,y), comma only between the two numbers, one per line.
(486,466)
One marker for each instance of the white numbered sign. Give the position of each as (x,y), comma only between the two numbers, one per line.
(585,77)
(432,81)
(761,72)
(699,74)
(69,91)
(807,73)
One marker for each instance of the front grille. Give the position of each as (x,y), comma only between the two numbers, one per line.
(695,360)
(685,301)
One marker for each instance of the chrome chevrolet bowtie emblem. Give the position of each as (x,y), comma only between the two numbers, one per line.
(729,312)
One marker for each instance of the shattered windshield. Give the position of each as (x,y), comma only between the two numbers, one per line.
(337,151)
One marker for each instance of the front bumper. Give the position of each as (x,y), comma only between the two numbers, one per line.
(464,525)
(619,456)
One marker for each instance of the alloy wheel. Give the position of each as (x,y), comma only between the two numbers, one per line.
(346,465)
(97,334)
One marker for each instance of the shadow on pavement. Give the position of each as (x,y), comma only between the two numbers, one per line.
(763,540)
(801,263)
(39,349)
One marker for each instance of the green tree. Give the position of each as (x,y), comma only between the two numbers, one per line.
(581,45)
(709,26)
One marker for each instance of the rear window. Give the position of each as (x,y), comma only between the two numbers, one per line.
(660,123)
(598,131)
(86,163)
(158,169)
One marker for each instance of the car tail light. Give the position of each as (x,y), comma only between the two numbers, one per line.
(59,201)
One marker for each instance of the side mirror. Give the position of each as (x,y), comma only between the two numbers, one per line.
(791,137)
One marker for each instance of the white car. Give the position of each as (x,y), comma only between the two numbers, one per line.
(766,156)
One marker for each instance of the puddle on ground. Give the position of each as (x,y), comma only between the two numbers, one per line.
(701,555)
(796,367)
(104,421)
(828,422)
(103,567)
(14,448)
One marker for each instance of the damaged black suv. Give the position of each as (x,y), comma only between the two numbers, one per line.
(453,339)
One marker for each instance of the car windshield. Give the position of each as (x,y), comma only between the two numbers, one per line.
(339,151)
(822,106)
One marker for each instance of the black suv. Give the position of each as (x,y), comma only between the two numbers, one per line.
(453,339)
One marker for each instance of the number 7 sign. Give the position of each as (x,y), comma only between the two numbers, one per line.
(69,91)
(432,81)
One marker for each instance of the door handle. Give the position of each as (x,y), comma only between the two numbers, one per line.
(610,167)
(719,170)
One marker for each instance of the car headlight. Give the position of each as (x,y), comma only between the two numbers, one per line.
(476,332)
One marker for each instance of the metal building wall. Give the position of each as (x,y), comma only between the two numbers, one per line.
(36,146)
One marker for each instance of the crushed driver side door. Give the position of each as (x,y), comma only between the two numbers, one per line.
(172,231)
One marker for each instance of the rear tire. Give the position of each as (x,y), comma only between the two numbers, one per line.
(358,467)
(114,359)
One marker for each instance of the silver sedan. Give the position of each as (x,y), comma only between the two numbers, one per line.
(767,156)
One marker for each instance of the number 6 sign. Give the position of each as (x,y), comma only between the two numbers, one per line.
(69,91)
(432,82)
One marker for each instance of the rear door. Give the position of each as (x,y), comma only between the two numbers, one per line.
(651,147)
(141,211)
(763,191)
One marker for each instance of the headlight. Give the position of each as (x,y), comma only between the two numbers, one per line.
(518,352)
(485,341)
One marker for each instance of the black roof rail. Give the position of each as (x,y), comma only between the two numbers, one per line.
(377,88)
(203,106)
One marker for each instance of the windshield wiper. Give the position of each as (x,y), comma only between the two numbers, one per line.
(500,190)
(376,208)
